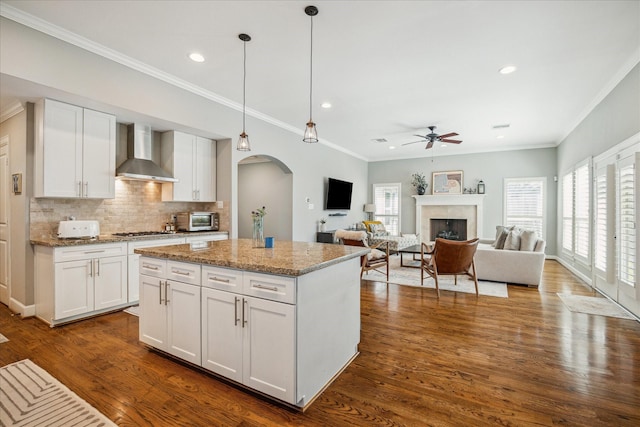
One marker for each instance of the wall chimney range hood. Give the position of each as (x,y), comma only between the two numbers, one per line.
(139,165)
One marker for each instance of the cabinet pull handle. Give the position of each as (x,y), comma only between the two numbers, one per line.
(86,189)
(79,188)
(94,252)
(90,268)
(98,267)
(244,316)
(217,279)
(180,272)
(235,314)
(150,267)
(269,288)
(166,292)
(160,291)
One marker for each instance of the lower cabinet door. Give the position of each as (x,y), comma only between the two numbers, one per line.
(110,281)
(222,333)
(153,312)
(269,348)
(183,320)
(73,288)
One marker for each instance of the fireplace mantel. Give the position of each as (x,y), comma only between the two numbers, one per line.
(425,204)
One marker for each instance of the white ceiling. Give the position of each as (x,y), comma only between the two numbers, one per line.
(389,68)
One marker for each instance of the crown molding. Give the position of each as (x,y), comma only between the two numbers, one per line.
(11,111)
(60,33)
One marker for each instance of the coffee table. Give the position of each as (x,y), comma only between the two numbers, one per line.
(414,250)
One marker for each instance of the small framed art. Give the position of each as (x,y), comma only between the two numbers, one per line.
(449,182)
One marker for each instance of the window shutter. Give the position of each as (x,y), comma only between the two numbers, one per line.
(524,203)
(387,200)
(627,235)
(581,197)
(600,208)
(567,212)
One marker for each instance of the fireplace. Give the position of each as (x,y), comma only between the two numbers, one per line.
(467,207)
(448,228)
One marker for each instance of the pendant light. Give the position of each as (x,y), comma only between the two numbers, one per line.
(243,141)
(310,132)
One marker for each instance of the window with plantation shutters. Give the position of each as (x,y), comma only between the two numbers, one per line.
(387,200)
(627,232)
(600,223)
(524,203)
(576,226)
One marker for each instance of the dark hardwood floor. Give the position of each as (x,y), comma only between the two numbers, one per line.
(456,361)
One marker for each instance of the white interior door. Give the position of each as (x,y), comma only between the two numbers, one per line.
(5,191)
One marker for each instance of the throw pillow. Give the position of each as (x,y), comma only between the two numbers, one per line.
(375,254)
(501,239)
(528,239)
(512,242)
(499,230)
(378,230)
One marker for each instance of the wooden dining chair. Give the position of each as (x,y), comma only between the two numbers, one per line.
(449,258)
(376,260)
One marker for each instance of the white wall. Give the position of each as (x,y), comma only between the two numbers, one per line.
(492,168)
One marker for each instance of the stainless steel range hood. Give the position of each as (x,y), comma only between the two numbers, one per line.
(139,154)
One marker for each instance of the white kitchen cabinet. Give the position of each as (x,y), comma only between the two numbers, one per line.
(78,281)
(192,160)
(249,340)
(134,262)
(170,311)
(75,152)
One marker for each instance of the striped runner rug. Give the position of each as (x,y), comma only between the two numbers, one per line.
(29,396)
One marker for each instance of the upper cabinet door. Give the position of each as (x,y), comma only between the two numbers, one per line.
(99,155)
(75,152)
(205,162)
(58,154)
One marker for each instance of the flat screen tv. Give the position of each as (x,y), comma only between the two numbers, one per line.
(338,194)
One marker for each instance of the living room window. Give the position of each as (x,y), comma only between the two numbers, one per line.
(524,203)
(387,200)
(575,212)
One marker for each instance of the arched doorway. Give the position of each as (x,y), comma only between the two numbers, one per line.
(265,181)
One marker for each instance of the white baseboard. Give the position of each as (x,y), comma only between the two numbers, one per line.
(577,273)
(21,309)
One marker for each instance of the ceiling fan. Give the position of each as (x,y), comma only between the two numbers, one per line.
(433,137)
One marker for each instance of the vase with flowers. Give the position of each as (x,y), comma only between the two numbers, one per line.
(419,181)
(323,226)
(258,227)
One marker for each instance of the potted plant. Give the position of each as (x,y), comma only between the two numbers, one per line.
(419,181)
(323,221)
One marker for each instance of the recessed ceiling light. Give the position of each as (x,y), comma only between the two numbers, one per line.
(392,147)
(508,69)
(196,57)
(326,105)
(500,136)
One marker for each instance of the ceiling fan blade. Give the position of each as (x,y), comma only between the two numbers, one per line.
(447,135)
(421,136)
(429,145)
(451,141)
(407,143)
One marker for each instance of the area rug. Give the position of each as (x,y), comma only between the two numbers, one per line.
(133,310)
(29,396)
(3,339)
(409,276)
(599,306)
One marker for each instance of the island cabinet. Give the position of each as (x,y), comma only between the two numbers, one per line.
(248,339)
(192,160)
(75,152)
(79,281)
(170,307)
(285,336)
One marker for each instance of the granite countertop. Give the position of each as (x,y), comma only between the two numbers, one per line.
(286,258)
(54,242)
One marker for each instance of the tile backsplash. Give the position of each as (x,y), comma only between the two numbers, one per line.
(138,206)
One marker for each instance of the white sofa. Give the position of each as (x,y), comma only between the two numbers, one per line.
(510,266)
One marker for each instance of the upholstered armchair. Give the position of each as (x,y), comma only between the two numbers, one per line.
(377,259)
(377,234)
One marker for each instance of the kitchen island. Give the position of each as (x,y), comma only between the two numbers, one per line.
(283,321)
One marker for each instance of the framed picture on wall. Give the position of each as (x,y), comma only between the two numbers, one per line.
(449,182)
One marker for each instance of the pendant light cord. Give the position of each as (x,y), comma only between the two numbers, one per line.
(244,84)
(311,74)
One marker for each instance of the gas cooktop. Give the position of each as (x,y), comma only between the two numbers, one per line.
(142,233)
